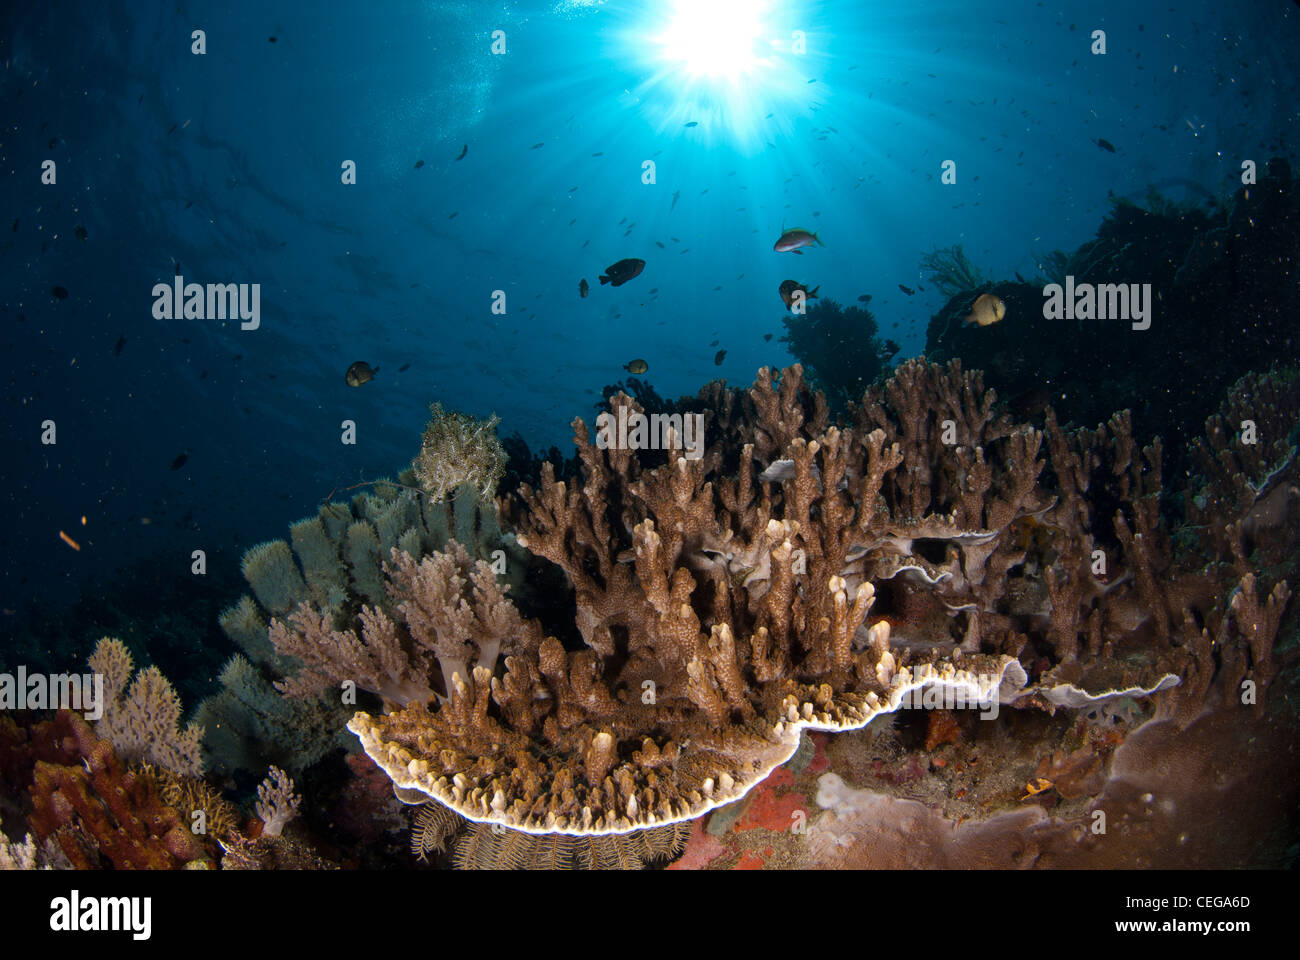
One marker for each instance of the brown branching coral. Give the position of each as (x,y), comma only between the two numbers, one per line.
(799,575)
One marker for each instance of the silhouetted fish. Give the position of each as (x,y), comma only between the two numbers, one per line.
(463,150)
(719,357)
(58,293)
(1106,145)
(180,461)
(117,347)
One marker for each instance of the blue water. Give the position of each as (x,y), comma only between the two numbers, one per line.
(229,165)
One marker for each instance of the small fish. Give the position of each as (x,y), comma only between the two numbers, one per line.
(620,273)
(537,146)
(986,310)
(80,232)
(767,336)
(180,460)
(270,39)
(117,347)
(359,373)
(719,357)
(790,290)
(691,123)
(714,343)
(676,194)
(419,164)
(1105,145)
(865,298)
(463,150)
(173,129)
(1019,277)
(583,288)
(907,290)
(653,291)
(58,293)
(203,375)
(599,153)
(792,240)
(403,368)
(637,366)
(453,215)
(15,227)
(69,541)
(660,245)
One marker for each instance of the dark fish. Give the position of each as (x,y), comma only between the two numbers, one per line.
(172,130)
(58,293)
(789,288)
(653,291)
(80,232)
(359,373)
(620,273)
(907,290)
(537,146)
(237,357)
(54,141)
(15,228)
(453,215)
(180,461)
(637,366)
(714,343)
(419,164)
(270,39)
(1106,145)
(1019,277)
(404,367)
(660,245)
(691,123)
(719,357)
(599,153)
(191,203)
(176,266)
(583,287)
(203,375)
(865,298)
(767,336)
(676,194)
(463,150)
(117,347)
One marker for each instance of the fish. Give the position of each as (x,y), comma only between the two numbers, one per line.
(419,164)
(637,366)
(180,460)
(986,310)
(714,343)
(583,287)
(463,150)
(359,373)
(1019,277)
(767,337)
(907,290)
(403,368)
(15,227)
(719,357)
(80,232)
(789,289)
(620,273)
(660,245)
(865,298)
(1105,145)
(676,194)
(270,39)
(117,347)
(791,240)
(58,293)
(691,123)
(653,291)
(537,146)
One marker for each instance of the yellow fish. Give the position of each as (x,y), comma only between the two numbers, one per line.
(986,310)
